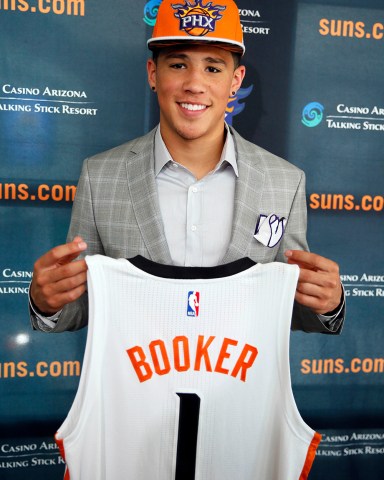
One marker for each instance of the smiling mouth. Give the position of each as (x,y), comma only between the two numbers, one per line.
(192,107)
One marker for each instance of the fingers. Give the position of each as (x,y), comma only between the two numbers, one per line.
(319,286)
(60,272)
(50,297)
(311,261)
(318,299)
(319,278)
(61,254)
(59,278)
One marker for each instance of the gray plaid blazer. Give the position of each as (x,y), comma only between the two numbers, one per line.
(116,211)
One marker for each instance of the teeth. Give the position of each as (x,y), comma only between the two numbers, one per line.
(193,107)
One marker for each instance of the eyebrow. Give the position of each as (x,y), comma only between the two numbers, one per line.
(183,56)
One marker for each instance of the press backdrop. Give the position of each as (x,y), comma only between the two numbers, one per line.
(73,83)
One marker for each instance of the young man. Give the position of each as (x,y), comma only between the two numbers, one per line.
(192,192)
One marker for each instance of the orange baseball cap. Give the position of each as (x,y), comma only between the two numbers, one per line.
(198,21)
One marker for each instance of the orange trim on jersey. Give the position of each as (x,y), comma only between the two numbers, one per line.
(60,444)
(310,456)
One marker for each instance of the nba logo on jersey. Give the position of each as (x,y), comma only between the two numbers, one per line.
(193,304)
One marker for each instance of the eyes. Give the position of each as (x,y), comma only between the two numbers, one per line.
(177,66)
(213,70)
(183,66)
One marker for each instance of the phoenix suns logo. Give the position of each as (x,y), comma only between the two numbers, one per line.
(198,19)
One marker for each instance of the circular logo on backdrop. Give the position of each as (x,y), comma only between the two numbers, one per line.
(150,12)
(312,114)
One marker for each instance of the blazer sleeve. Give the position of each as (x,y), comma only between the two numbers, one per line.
(295,239)
(74,315)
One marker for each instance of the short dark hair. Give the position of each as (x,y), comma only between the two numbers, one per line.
(236,59)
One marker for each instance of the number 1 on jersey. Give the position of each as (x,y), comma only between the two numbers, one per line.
(187,436)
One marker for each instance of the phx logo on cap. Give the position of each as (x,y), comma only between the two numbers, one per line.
(198,19)
(198,22)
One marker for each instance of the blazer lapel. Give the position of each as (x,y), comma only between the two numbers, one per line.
(143,191)
(248,193)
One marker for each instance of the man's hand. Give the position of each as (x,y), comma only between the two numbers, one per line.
(57,278)
(319,286)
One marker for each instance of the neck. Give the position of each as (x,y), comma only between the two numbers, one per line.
(198,155)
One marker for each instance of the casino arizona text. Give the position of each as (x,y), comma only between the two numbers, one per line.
(48,92)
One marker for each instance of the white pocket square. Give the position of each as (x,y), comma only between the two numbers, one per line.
(270,229)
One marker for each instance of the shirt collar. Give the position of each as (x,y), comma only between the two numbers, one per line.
(162,155)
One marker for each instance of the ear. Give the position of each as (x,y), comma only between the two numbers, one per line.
(237,79)
(151,72)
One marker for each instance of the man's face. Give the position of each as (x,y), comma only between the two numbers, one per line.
(193,85)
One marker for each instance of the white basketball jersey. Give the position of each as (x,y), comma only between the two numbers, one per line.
(186,375)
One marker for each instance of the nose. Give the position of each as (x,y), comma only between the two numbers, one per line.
(194,81)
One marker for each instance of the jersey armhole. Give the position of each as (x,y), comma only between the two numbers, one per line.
(295,421)
(81,407)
